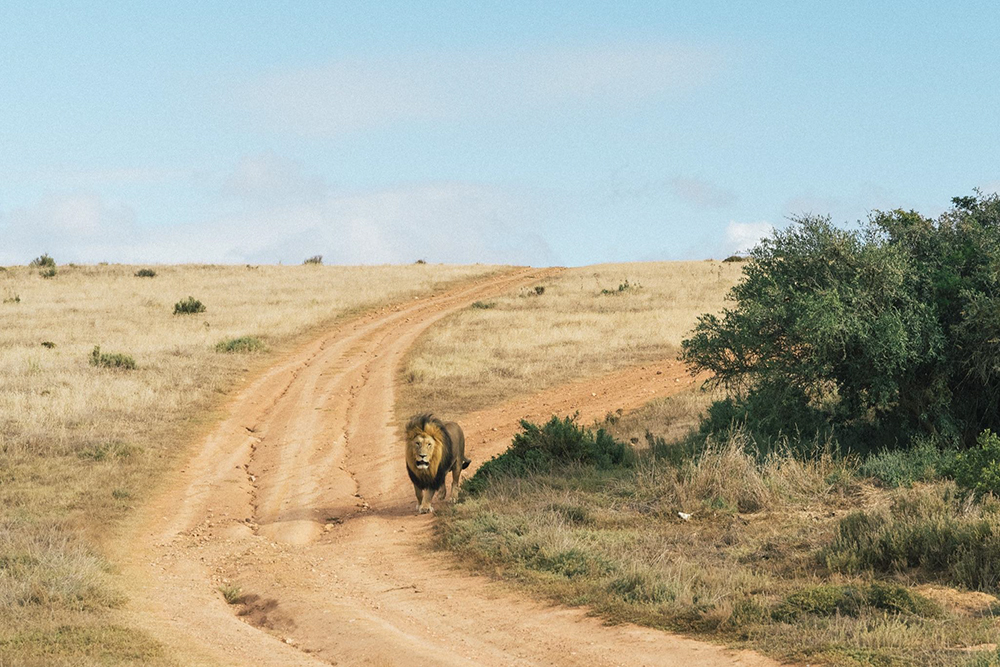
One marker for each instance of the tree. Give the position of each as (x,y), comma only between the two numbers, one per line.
(876,335)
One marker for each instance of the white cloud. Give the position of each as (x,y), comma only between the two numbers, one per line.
(702,193)
(349,95)
(72,228)
(270,177)
(742,236)
(269,210)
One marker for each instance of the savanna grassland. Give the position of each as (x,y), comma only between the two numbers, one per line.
(583,322)
(105,378)
(726,521)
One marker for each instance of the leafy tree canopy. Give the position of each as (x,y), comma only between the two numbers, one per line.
(878,336)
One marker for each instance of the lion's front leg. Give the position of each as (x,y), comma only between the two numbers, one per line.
(416,490)
(425,501)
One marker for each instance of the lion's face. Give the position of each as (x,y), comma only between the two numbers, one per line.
(423,449)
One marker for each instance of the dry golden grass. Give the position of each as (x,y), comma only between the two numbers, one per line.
(525,342)
(749,565)
(80,444)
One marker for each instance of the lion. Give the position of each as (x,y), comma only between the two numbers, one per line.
(433,448)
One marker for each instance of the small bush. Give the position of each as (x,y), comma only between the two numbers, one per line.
(145,273)
(539,290)
(13,299)
(48,273)
(315,259)
(828,600)
(900,467)
(243,344)
(933,530)
(542,448)
(484,305)
(978,468)
(825,600)
(735,258)
(640,587)
(48,344)
(231,594)
(420,261)
(43,262)
(189,305)
(106,360)
(106,451)
(622,288)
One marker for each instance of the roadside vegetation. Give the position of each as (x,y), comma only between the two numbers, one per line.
(582,322)
(831,498)
(101,387)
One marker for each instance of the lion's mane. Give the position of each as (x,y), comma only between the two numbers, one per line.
(442,457)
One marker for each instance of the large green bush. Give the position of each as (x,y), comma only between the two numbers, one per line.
(879,335)
(540,448)
(978,469)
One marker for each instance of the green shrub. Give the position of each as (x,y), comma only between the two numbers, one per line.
(48,344)
(43,262)
(106,360)
(243,344)
(484,305)
(231,593)
(48,273)
(539,290)
(824,600)
(315,259)
(145,273)
(622,288)
(189,305)
(883,335)
(641,588)
(13,299)
(542,448)
(931,530)
(897,467)
(736,258)
(978,469)
(828,600)
(420,261)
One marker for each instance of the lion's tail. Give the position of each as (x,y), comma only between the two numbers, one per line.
(465,462)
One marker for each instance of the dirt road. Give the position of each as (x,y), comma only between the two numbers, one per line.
(300,498)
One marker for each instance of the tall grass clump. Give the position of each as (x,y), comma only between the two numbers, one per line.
(315,259)
(188,306)
(111,360)
(243,345)
(538,449)
(145,273)
(934,530)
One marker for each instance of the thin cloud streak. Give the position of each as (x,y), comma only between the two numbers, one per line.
(272,211)
(701,193)
(352,95)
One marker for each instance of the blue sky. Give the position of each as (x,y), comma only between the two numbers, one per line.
(542,133)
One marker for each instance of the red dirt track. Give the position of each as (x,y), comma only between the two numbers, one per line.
(300,497)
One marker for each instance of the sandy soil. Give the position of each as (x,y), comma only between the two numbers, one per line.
(300,497)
